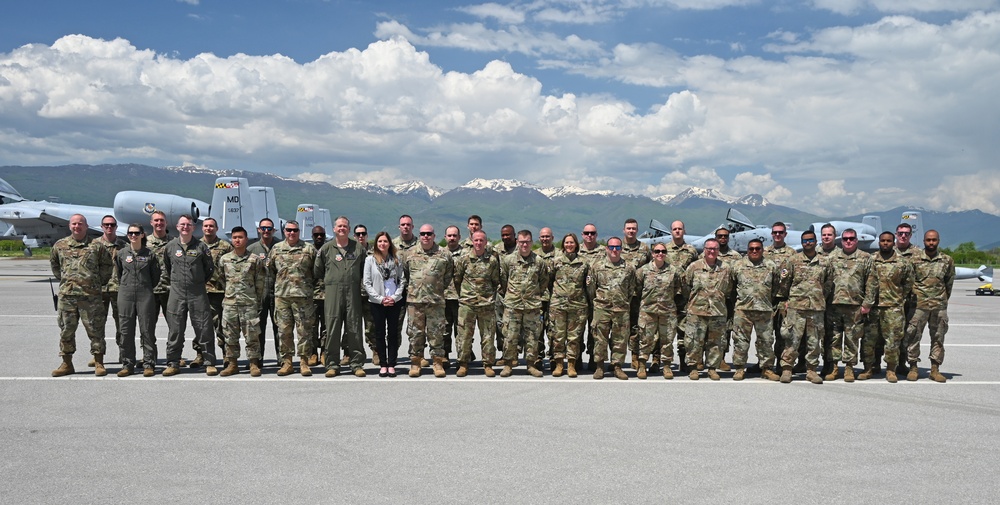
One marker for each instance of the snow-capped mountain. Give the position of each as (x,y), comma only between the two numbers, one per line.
(497,184)
(753,200)
(665,199)
(368,186)
(705,193)
(573,191)
(415,188)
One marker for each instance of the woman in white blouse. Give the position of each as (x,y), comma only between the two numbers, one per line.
(385,283)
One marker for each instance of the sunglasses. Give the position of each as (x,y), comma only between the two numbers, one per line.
(291,230)
(266,228)
(849,239)
(659,251)
(614,248)
(134,233)
(109,225)
(722,236)
(361,234)
(590,233)
(426,234)
(809,241)
(754,249)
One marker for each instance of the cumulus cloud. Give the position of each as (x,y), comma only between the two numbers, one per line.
(764,184)
(502,13)
(848,7)
(480,38)
(964,192)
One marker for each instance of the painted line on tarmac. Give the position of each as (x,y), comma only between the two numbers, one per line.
(453,380)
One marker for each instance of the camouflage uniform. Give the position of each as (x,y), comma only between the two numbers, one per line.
(611,286)
(245,280)
(733,257)
(260,250)
(524,282)
(136,274)
(568,306)
(341,269)
(680,257)
(109,295)
(189,266)
(478,280)
(498,306)
(428,273)
(707,289)
(294,286)
(216,287)
(779,255)
(854,286)
(806,282)
(451,305)
(162,290)
(591,257)
(548,257)
(637,255)
(909,306)
(658,289)
(79,266)
(887,322)
(933,281)
(828,322)
(757,287)
(402,248)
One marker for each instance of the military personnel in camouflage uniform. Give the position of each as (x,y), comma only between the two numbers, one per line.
(758,281)
(854,286)
(291,263)
(473,224)
(506,246)
(452,235)
(591,253)
(733,257)
(319,322)
(340,267)
(361,235)
(215,287)
(887,321)
(779,252)
(260,249)
(807,280)
(659,284)
(636,254)
(428,269)
(909,252)
(568,306)
(524,279)
(708,283)
(156,242)
(405,241)
(547,252)
(611,285)
(77,263)
(934,277)
(477,275)
(245,279)
(827,246)
(111,243)
(137,271)
(187,261)
(681,255)
(827,240)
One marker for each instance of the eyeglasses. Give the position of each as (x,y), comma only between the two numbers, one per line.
(777,233)
(659,251)
(134,233)
(711,248)
(590,233)
(904,233)
(109,225)
(808,241)
(426,234)
(614,248)
(291,230)
(266,228)
(849,239)
(524,242)
(754,249)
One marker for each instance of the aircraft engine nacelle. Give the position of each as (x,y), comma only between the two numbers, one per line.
(138,206)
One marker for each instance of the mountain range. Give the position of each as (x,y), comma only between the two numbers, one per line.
(498,201)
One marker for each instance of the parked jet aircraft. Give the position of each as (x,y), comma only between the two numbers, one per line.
(309,215)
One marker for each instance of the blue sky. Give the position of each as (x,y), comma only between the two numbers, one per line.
(831,106)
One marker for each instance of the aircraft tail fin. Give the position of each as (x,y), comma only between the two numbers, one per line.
(8,194)
(916,221)
(232,206)
(986,273)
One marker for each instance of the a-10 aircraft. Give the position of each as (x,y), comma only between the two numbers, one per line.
(234,203)
(742,231)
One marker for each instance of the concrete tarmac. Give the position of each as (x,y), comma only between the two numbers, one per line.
(82,439)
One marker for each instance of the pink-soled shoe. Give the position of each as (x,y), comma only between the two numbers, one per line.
(383,372)
(392,371)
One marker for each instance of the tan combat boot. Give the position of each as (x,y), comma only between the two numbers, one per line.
(740,374)
(813,377)
(724,367)
(571,369)
(640,372)
(913,374)
(834,373)
(694,375)
(424,363)
(375,358)
(211,371)
(463,370)
(125,371)
(286,367)
(635,361)
(346,360)
(712,374)
(786,374)
(414,366)
(255,368)
(439,367)
(91,363)
(598,370)
(313,359)
(667,372)
(304,369)
(359,372)
(890,374)
(867,373)
(148,372)
(332,372)
(849,374)
(198,361)
(535,371)
(232,368)
(66,367)
(507,370)
(558,370)
(99,369)
(620,374)
(170,371)
(936,374)
(769,375)
(488,370)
